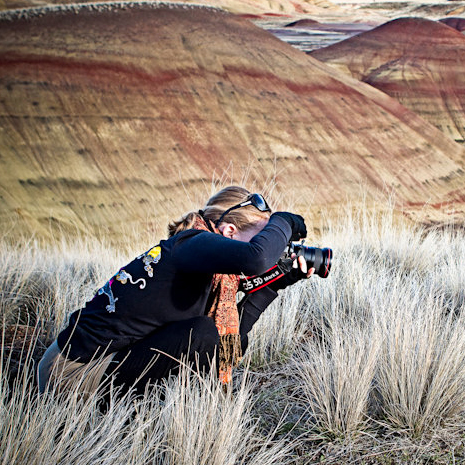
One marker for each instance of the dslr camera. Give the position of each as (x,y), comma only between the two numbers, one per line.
(320,259)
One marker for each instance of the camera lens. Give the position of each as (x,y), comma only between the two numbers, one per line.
(320,259)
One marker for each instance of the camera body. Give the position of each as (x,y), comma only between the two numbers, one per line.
(320,259)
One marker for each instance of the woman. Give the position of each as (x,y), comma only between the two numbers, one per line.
(178,299)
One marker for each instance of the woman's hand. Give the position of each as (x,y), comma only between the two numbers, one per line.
(296,222)
(302,264)
(298,272)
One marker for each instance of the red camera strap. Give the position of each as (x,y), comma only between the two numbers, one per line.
(251,284)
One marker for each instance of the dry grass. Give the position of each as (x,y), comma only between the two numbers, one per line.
(366,366)
(188,420)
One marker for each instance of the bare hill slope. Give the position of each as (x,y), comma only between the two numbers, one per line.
(419,62)
(108,114)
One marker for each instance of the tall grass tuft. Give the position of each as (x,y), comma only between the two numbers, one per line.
(334,372)
(46,282)
(274,339)
(187,420)
(421,374)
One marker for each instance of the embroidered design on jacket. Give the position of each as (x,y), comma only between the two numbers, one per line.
(123,277)
(153,256)
(149,258)
(106,289)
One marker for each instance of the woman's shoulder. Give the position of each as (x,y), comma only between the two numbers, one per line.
(184,235)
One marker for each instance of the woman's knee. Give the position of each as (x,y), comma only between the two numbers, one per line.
(204,332)
(196,339)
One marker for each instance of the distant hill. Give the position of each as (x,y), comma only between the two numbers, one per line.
(419,62)
(456,23)
(303,23)
(113,116)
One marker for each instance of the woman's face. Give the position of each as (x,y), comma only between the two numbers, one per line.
(232,232)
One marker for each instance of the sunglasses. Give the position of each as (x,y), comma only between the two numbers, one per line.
(256,200)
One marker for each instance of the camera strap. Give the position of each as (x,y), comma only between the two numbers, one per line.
(251,284)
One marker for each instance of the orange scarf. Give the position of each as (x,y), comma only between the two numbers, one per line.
(224,313)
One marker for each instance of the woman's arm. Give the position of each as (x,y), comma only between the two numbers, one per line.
(250,309)
(213,253)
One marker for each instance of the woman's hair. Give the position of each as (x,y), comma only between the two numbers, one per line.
(243,218)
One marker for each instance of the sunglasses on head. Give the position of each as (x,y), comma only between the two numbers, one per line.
(256,200)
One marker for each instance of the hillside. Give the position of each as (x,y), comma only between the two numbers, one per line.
(116,116)
(417,61)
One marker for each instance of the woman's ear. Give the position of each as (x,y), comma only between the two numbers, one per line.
(228,230)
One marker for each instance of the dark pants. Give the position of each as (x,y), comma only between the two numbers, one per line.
(194,341)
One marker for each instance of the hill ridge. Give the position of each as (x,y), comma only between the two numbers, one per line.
(421,25)
(31,12)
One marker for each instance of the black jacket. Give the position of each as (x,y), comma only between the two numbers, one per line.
(168,283)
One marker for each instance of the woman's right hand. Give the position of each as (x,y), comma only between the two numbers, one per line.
(295,274)
(297,224)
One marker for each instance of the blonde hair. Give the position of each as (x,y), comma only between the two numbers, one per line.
(243,218)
